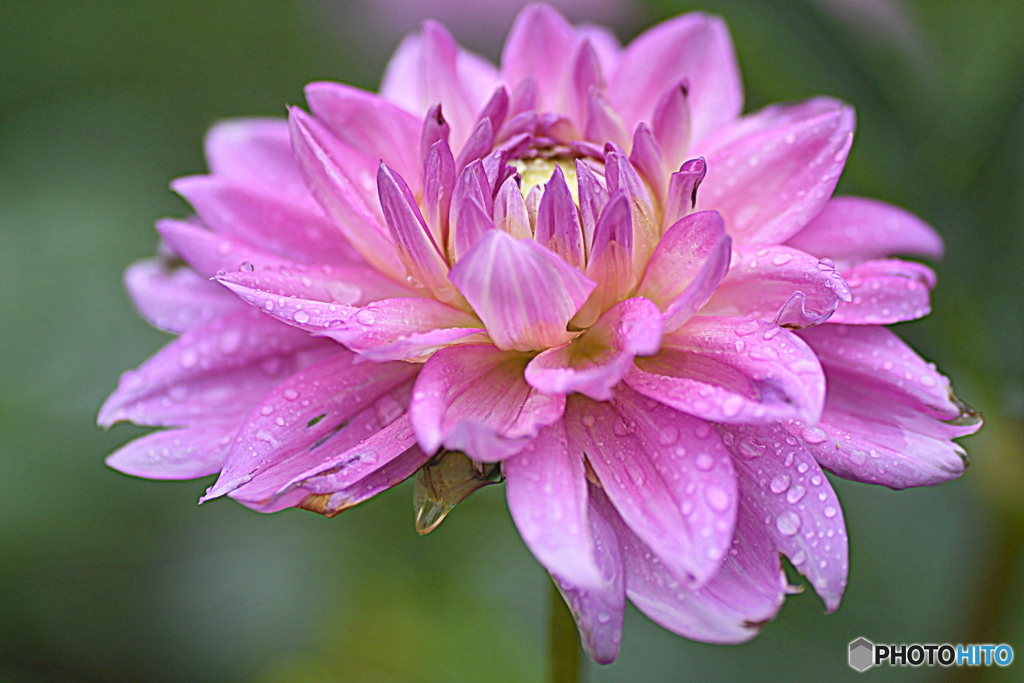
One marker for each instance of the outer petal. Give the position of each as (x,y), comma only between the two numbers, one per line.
(209,253)
(687,266)
(257,152)
(770,183)
(308,412)
(599,611)
(878,360)
(782,484)
(666,473)
(474,399)
(886,292)
(311,298)
(694,47)
(369,124)
(406,329)
(857,229)
(746,592)
(327,477)
(594,362)
(546,487)
(864,437)
(779,284)
(734,371)
(540,45)
(298,231)
(216,370)
(176,453)
(318,154)
(524,294)
(176,299)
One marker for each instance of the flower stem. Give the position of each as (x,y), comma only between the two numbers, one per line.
(564,651)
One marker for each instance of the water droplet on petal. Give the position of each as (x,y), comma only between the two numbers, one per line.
(779,483)
(788,523)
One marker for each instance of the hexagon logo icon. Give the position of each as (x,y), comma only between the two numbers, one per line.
(862,654)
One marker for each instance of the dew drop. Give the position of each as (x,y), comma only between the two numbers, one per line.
(301,317)
(831,512)
(779,483)
(795,494)
(704,462)
(788,523)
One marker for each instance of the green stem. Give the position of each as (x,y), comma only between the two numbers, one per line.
(564,652)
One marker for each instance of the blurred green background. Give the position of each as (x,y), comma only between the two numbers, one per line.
(108,578)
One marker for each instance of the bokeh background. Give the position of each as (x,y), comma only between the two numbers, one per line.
(104,578)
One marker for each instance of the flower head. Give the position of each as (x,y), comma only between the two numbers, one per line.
(583,272)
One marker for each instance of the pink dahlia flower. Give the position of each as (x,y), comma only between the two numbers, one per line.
(583,272)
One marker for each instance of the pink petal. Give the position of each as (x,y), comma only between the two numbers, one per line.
(746,592)
(592,199)
(257,152)
(734,371)
(208,253)
(473,223)
(176,453)
(594,362)
(866,437)
(599,611)
(438,186)
(646,157)
(540,45)
(546,487)
(605,44)
(681,199)
(479,145)
(311,298)
(309,416)
(666,473)
(611,260)
(474,399)
(620,175)
(496,108)
(886,292)
(855,228)
(687,266)
(779,284)
(339,467)
(318,153)
(216,370)
(368,124)
(298,231)
(175,300)
(770,183)
(603,123)
(406,329)
(510,212)
(694,47)
(472,184)
(524,294)
(435,129)
(585,77)
(416,246)
(390,475)
(878,360)
(782,484)
(671,124)
(558,221)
